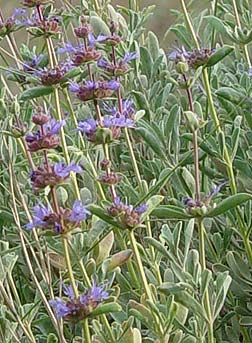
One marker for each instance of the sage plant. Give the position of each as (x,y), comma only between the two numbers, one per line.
(125,173)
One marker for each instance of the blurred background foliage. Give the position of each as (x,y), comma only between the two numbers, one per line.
(164,13)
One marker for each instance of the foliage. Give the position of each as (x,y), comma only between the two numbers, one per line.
(125,171)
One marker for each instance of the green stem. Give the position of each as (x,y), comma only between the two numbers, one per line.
(201,230)
(133,159)
(69,266)
(238,22)
(142,275)
(86,331)
(140,265)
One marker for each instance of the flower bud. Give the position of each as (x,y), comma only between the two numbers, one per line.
(182,67)
(192,120)
(19,131)
(39,117)
(103,135)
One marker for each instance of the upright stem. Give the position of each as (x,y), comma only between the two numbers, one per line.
(201,230)
(238,23)
(195,145)
(147,290)
(139,264)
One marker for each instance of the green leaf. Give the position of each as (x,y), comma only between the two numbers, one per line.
(184,298)
(152,141)
(219,55)
(119,259)
(99,26)
(216,23)
(170,212)
(246,321)
(223,282)
(106,308)
(153,45)
(229,94)
(35,92)
(229,203)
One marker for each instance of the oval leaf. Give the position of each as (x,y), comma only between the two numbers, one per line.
(35,92)
(229,203)
(219,55)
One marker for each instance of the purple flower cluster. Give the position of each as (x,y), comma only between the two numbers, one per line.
(194,59)
(49,26)
(80,53)
(199,208)
(75,309)
(52,175)
(115,123)
(18,18)
(90,90)
(126,214)
(128,109)
(61,222)
(52,76)
(46,138)
(120,68)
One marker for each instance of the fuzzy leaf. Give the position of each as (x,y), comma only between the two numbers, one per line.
(35,92)
(229,203)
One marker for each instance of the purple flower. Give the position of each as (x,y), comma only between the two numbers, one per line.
(118,121)
(69,48)
(102,63)
(129,57)
(54,126)
(39,213)
(31,137)
(68,291)
(178,54)
(60,306)
(97,293)
(88,126)
(74,87)
(32,63)
(63,170)
(127,109)
(100,38)
(216,190)
(79,212)
(141,209)
(113,85)
(75,309)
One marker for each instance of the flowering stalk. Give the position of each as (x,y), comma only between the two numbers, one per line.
(99,187)
(226,156)
(136,169)
(53,62)
(28,262)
